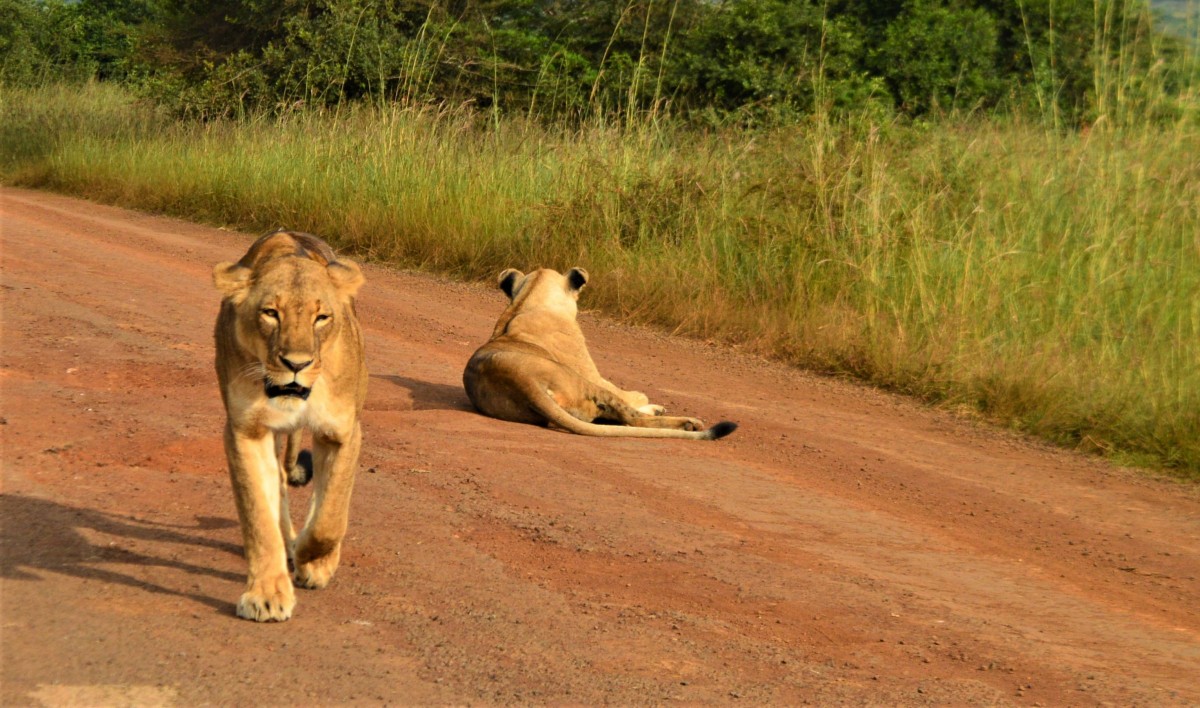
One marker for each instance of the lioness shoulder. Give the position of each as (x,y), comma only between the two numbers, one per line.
(536,368)
(289,357)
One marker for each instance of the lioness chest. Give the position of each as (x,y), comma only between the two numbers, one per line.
(321,413)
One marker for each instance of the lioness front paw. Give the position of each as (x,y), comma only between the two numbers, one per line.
(268,600)
(316,573)
(652,409)
(693,424)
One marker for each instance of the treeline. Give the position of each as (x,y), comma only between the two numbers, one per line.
(720,60)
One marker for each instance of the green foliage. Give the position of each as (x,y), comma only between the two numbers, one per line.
(41,42)
(339,49)
(1049,48)
(757,53)
(750,61)
(57,40)
(23,56)
(939,57)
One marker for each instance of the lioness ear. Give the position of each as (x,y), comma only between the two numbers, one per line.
(347,277)
(578,277)
(508,279)
(232,280)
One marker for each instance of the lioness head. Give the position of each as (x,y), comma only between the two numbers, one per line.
(290,297)
(549,285)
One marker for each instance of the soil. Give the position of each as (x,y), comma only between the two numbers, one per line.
(843,546)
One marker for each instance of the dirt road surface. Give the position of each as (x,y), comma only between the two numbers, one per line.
(842,547)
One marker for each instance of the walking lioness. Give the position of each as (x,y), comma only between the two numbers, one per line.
(289,357)
(536,369)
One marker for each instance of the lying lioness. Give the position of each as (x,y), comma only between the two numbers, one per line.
(536,369)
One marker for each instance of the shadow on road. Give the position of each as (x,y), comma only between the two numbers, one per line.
(41,535)
(428,396)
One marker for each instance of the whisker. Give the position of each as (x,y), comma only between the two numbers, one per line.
(252,371)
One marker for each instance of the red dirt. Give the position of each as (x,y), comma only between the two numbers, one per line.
(843,546)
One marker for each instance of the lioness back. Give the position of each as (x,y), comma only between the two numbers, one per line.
(536,368)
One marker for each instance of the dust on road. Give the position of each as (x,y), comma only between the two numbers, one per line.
(843,546)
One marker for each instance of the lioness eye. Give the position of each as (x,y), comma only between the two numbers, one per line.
(322,318)
(272,313)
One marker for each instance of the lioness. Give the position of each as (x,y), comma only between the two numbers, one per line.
(536,369)
(289,357)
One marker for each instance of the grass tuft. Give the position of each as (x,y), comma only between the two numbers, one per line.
(1049,280)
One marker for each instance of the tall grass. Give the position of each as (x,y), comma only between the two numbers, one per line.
(1050,280)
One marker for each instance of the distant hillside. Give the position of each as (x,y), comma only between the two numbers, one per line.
(1179,17)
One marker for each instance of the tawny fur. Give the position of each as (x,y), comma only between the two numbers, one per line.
(287,322)
(536,369)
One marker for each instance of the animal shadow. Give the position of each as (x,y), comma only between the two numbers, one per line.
(427,396)
(42,536)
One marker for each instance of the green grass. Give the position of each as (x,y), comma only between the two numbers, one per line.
(1048,280)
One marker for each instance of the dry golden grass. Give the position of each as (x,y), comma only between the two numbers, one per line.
(1050,280)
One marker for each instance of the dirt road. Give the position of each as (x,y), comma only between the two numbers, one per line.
(843,546)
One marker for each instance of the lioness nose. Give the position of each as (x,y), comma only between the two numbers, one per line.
(295,365)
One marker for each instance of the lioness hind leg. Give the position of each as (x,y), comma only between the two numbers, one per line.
(285,520)
(667,421)
(635,399)
(319,546)
(298,473)
(616,409)
(639,401)
(283,450)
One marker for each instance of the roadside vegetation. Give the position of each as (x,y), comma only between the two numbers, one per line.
(1023,243)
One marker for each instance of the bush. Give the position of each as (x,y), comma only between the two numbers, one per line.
(938,57)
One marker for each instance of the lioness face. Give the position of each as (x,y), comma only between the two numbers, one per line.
(287,312)
(293,326)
